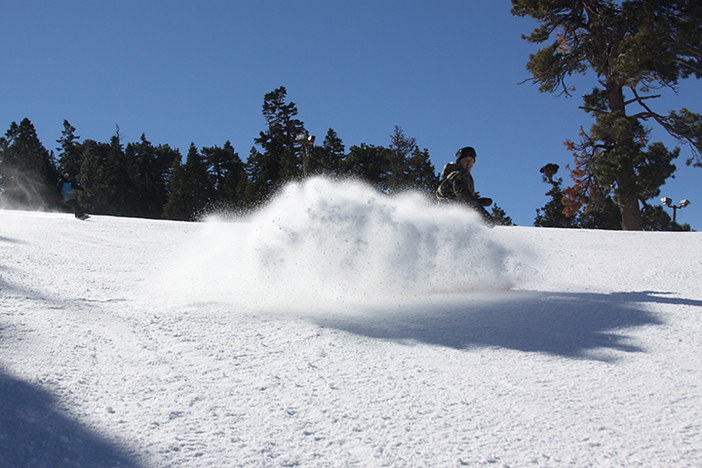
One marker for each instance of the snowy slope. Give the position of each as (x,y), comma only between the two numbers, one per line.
(338,328)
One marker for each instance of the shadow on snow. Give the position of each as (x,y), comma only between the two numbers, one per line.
(563,324)
(33,432)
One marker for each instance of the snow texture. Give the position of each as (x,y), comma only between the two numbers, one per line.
(337,327)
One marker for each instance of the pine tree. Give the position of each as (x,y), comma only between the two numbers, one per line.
(552,214)
(686,126)
(98,196)
(328,158)
(148,172)
(177,206)
(500,217)
(27,170)
(603,215)
(420,173)
(70,152)
(281,159)
(401,146)
(105,174)
(229,175)
(119,178)
(632,46)
(113,179)
(656,219)
(409,168)
(368,163)
(191,188)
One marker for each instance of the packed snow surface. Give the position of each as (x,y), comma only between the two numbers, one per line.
(338,327)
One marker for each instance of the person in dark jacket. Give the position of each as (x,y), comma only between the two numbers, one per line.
(457,184)
(66,187)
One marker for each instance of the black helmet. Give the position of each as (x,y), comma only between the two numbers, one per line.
(466,152)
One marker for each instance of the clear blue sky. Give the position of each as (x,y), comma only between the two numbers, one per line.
(447,72)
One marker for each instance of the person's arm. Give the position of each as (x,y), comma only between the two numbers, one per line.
(463,188)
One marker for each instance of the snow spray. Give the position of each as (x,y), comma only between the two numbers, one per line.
(323,241)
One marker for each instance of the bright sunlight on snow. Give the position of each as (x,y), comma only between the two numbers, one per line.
(338,327)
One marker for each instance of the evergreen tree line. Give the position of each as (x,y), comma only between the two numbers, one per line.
(145,180)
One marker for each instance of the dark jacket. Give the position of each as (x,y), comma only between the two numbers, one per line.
(456,184)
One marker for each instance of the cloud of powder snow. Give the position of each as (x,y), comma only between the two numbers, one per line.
(324,241)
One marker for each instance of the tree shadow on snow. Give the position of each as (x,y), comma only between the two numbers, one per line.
(33,432)
(571,325)
(10,240)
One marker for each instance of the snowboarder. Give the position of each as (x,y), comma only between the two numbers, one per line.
(457,184)
(66,187)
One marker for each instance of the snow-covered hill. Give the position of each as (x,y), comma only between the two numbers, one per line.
(339,328)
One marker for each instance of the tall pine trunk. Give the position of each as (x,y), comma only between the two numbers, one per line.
(628,201)
(626,196)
